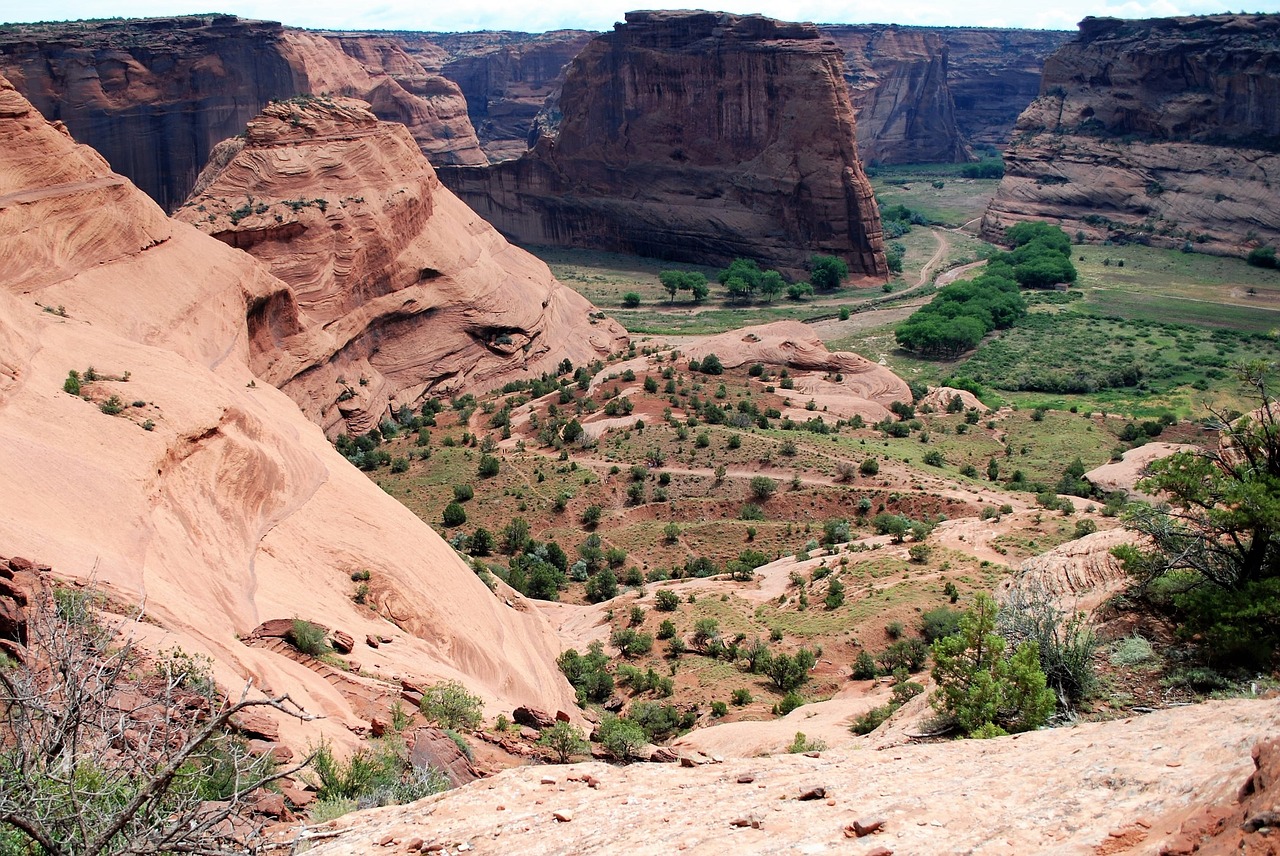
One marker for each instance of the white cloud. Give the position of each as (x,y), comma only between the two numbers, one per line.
(554,14)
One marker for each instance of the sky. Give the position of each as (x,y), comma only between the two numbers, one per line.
(543,15)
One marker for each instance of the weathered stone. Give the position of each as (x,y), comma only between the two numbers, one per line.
(532,717)
(563,815)
(254,723)
(431,747)
(814,793)
(342,642)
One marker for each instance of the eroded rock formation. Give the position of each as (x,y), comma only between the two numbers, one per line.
(405,291)
(1164,131)
(507,79)
(154,96)
(201,491)
(694,136)
(898,84)
(993,74)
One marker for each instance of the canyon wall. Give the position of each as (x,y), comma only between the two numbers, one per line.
(898,84)
(155,96)
(179,480)
(405,292)
(697,137)
(993,74)
(1164,131)
(507,79)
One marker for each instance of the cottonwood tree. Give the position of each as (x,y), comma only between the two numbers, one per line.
(93,762)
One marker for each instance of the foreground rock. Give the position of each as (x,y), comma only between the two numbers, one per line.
(642,164)
(1161,131)
(201,491)
(403,291)
(1067,790)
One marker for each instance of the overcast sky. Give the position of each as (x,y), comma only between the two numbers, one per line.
(542,15)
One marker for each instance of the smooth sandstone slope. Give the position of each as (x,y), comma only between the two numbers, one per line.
(699,137)
(1100,788)
(233,509)
(405,292)
(1163,131)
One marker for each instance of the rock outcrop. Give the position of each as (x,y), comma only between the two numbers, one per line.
(404,292)
(699,137)
(507,78)
(1164,131)
(1098,787)
(154,96)
(178,479)
(898,84)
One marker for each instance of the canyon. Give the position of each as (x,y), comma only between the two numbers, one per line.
(1162,131)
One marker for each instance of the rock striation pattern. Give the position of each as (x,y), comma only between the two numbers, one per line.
(511,80)
(898,84)
(202,491)
(403,291)
(698,137)
(154,96)
(1163,131)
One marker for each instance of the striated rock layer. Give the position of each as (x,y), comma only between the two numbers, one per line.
(154,96)
(511,80)
(699,137)
(898,84)
(993,74)
(1164,131)
(210,500)
(405,291)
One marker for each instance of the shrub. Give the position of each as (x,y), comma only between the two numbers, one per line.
(72,384)
(113,406)
(741,696)
(601,587)
(587,673)
(909,654)
(869,467)
(790,702)
(463,492)
(1262,257)
(864,667)
(789,672)
(489,467)
(801,744)
(1132,651)
(307,637)
(1065,643)
(719,709)
(939,623)
(451,706)
(981,690)
(591,516)
(454,515)
(631,299)
(920,553)
(710,365)
(621,738)
(763,487)
(565,740)
(666,600)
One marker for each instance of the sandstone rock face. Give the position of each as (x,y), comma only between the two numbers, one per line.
(507,79)
(698,137)
(405,291)
(397,87)
(1163,131)
(154,96)
(212,500)
(993,74)
(898,84)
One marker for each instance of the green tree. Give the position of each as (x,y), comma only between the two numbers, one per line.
(771,285)
(763,487)
(980,689)
(827,272)
(454,514)
(602,586)
(451,706)
(565,740)
(621,738)
(489,466)
(1220,533)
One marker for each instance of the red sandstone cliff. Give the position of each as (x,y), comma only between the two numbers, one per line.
(209,498)
(1164,131)
(699,137)
(405,292)
(898,84)
(155,96)
(507,79)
